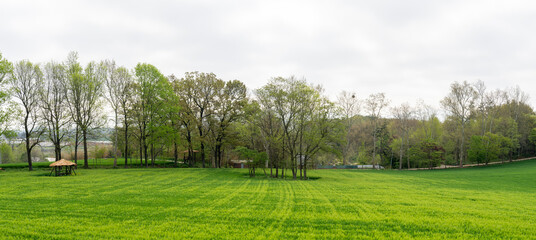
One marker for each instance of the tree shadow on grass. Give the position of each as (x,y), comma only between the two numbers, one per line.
(288,177)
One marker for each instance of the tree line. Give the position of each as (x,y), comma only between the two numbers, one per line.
(287,125)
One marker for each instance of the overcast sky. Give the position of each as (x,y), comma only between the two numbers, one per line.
(407,49)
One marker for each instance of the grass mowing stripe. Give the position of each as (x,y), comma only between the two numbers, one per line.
(493,202)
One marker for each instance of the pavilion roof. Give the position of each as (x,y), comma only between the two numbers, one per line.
(62,162)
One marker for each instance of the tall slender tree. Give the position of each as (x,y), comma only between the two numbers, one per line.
(26,82)
(229,104)
(459,104)
(72,88)
(54,105)
(124,90)
(8,109)
(202,92)
(349,106)
(147,81)
(375,104)
(84,98)
(118,83)
(403,114)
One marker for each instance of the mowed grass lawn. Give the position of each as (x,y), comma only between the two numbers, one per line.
(478,203)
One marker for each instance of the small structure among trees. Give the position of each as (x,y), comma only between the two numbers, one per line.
(62,167)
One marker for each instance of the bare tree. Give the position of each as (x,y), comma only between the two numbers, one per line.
(425,113)
(481,104)
(118,83)
(26,82)
(494,99)
(125,92)
(349,106)
(403,113)
(516,97)
(459,103)
(54,105)
(374,105)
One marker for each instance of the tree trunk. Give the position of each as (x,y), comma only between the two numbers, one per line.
(374,149)
(84,135)
(175,152)
(28,150)
(401,158)
(115,143)
(126,146)
(152,154)
(76,145)
(58,151)
(203,153)
(145,152)
(462,144)
(305,169)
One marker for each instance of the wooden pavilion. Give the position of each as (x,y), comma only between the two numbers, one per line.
(62,167)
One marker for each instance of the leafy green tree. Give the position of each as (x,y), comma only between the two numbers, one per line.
(229,104)
(84,97)
(384,144)
(150,84)
(532,136)
(200,92)
(26,82)
(483,149)
(183,89)
(427,153)
(8,109)
(305,117)
(6,153)
(73,92)
(477,150)
(172,114)
(254,157)
(459,104)
(262,128)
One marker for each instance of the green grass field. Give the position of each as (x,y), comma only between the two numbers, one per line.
(496,202)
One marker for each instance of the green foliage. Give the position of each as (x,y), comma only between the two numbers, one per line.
(532,136)
(7,155)
(100,152)
(254,157)
(20,156)
(488,148)
(8,109)
(383,138)
(476,203)
(304,119)
(477,151)
(427,153)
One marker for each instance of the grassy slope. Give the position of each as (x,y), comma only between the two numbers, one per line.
(477,203)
